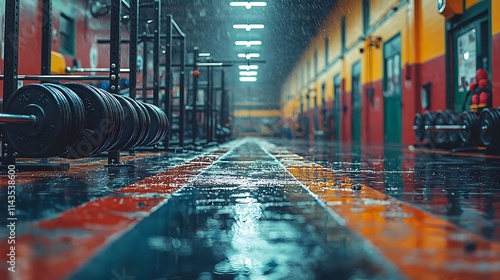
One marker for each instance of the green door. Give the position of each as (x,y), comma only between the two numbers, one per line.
(392,91)
(337,114)
(471,48)
(356,102)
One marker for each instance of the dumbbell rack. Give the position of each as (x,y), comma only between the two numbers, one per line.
(11,76)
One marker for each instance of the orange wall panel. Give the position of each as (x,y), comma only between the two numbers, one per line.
(470,3)
(379,8)
(495,16)
(432,40)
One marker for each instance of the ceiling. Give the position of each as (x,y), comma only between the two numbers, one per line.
(289,25)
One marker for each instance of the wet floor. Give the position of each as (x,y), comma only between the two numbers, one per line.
(256,209)
(464,190)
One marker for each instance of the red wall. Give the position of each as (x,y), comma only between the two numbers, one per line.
(495,72)
(88,30)
(373,114)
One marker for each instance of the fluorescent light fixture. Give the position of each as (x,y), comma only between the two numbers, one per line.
(204,54)
(248,5)
(248,43)
(248,67)
(248,55)
(248,79)
(248,73)
(248,27)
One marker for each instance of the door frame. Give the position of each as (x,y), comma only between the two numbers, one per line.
(386,54)
(356,70)
(480,9)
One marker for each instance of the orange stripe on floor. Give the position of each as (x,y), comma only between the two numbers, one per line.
(63,244)
(420,244)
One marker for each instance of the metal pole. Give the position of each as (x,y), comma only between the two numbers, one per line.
(195,95)
(11,41)
(223,100)
(114,61)
(156,55)
(145,71)
(168,73)
(207,105)
(134,22)
(46,36)
(182,90)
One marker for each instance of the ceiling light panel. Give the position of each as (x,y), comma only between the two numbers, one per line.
(248,67)
(248,43)
(248,79)
(248,27)
(248,5)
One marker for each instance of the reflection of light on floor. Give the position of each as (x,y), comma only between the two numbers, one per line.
(246,237)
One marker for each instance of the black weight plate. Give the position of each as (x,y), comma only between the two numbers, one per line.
(470,134)
(77,113)
(67,123)
(453,136)
(488,126)
(430,119)
(141,126)
(166,126)
(42,138)
(496,143)
(130,124)
(120,121)
(419,130)
(97,117)
(442,118)
(108,126)
(154,132)
(146,125)
(163,123)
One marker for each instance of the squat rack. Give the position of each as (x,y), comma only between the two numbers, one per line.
(11,54)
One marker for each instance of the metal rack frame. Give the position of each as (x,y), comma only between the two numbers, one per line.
(11,54)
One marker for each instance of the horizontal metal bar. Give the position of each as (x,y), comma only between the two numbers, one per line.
(59,77)
(445,127)
(213,64)
(17,119)
(107,41)
(82,70)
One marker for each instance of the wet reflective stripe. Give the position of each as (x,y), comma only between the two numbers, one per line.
(63,244)
(420,244)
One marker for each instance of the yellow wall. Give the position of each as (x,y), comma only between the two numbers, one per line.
(470,3)
(411,22)
(495,16)
(257,113)
(379,8)
(432,25)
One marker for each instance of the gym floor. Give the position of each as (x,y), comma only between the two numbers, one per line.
(260,209)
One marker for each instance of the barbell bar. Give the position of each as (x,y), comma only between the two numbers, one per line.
(17,119)
(59,77)
(86,70)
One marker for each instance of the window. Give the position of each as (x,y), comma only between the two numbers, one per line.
(315,62)
(327,46)
(343,33)
(308,71)
(67,35)
(302,78)
(366,16)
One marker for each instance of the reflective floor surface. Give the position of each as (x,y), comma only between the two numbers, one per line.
(259,209)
